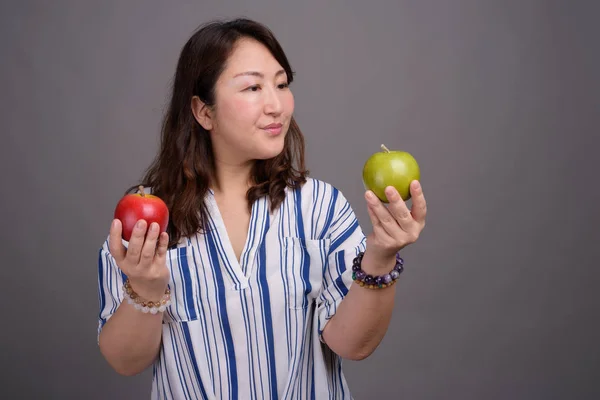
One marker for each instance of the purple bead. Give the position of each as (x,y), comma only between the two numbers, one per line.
(399,259)
(378,280)
(360,275)
(356,267)
(394,274)
(369,280)
(387,278)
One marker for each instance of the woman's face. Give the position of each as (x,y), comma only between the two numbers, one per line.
(253,106)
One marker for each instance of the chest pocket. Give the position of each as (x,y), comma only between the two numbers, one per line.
(304,263)
(183,284)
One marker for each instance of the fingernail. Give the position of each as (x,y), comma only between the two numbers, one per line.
(391,193)
(114,224)
(140,224)
(416,184)
(370,196)
(153,227)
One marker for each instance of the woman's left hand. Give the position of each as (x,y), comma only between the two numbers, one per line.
(395,226)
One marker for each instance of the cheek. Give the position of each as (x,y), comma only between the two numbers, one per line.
(288,103)
(240,110)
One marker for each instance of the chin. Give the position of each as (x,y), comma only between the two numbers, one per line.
(271,148)
(269,152)
(267,155)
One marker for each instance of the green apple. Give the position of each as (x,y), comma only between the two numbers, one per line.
(390,168)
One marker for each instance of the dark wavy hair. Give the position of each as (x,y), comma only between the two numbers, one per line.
(184,166)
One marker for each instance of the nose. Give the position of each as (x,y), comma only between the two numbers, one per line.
(273,104)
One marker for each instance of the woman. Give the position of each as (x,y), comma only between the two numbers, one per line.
(252,284)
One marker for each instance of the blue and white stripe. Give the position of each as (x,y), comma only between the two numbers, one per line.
(252,329)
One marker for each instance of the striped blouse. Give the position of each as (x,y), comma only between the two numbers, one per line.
(252,329)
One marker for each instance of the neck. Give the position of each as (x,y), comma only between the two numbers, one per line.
(232,178)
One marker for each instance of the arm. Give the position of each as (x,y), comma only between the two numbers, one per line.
(130,340)
(363,317)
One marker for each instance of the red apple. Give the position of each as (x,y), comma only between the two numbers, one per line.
(133,207)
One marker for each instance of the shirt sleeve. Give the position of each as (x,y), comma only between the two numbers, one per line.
(110,284)
(347,241)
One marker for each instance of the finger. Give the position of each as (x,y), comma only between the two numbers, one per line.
(385,218)
(149,248)
(377,226)
(163,243)
(399,210)
(375,221)
(136,242)
(419,205)
(115,244)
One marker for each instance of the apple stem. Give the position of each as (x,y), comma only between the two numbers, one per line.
(141,188)
(385,148)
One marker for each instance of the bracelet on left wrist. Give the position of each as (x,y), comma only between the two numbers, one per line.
(376,281)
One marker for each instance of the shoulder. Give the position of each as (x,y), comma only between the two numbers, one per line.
(319,190)
(323,209)
(318,197)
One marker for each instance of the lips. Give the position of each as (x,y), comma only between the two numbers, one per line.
(273,129)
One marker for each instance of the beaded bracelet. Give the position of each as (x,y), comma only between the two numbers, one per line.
(376,282)
(146,306)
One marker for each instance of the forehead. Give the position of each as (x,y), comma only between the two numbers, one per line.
(251,55)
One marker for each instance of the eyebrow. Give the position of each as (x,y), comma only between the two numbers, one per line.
(258,74)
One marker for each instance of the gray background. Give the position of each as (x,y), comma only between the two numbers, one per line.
(498,101)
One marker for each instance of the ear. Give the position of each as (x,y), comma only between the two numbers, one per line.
(202,113)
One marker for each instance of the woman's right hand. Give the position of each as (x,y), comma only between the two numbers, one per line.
(144,260)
